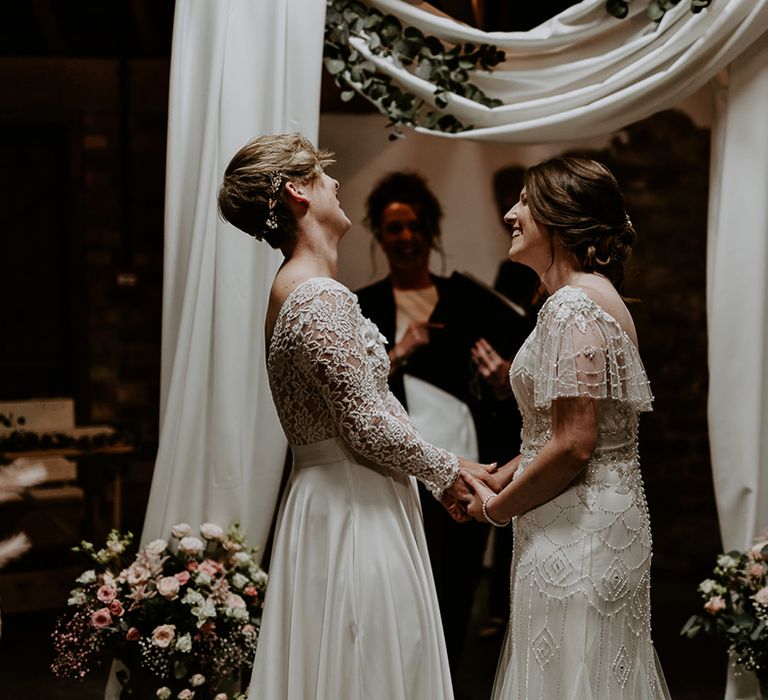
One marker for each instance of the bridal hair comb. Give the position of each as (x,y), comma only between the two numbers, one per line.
(275,183)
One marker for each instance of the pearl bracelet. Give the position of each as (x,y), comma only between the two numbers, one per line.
(493,522)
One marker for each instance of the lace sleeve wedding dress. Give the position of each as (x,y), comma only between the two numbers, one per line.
(580,598)
(350,610)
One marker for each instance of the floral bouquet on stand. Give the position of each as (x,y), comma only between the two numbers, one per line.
(736,608)
(182,617)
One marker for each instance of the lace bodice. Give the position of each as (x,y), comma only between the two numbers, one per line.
(328,369)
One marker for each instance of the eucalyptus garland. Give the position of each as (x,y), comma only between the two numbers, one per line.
(656,8)
(446,67)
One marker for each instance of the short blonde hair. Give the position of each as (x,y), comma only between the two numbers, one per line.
(264,163)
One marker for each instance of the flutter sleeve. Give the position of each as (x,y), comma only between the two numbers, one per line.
(335,348)
(584,352)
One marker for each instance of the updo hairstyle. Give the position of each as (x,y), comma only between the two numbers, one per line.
(407,188)
(252,194)
(579,202)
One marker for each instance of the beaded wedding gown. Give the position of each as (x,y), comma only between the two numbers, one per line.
(580,612)
(350,610)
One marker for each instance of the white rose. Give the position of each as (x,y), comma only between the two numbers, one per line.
(242,559)
(192,597)
(163,693)
(186,694)
(221,696)
(203,579)
(726,561)
(87,577)
(211,531)
(196,680)
(239,581)
(168,587)
(191,545)
(77,597)
(260,577)
(181,530)
(708,586)
(156,547)
(184,643)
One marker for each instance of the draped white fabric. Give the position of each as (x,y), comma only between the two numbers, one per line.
(737,298)
(584,73)
(239,68)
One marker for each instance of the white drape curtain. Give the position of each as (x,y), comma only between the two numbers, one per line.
(737,302)
(239,68)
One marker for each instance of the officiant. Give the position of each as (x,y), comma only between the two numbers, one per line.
(431,322)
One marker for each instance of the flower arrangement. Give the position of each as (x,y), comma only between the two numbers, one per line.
(182,617)
(736,607)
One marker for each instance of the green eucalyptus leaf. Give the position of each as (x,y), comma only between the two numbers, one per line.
(441,102)
(347,95)
(617,8)
(334,65)
(655,12)
(374,41)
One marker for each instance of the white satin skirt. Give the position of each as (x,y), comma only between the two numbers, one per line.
(350,610)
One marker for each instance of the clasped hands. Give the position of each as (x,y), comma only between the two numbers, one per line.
(476,482)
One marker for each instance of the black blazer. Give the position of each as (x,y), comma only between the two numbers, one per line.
(497,423)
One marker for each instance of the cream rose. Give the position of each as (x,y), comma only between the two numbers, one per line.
(191,545)
(156,547)
(163,635)
(181,530)
(197,680)
(168,587)
(761,597)
(211,531)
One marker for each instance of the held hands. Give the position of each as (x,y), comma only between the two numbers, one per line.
(493,368)
(456,498)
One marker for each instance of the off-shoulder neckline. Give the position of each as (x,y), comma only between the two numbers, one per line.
(606,315)
(288,297)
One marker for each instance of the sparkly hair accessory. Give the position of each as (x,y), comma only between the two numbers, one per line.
(275,183)
(629,221)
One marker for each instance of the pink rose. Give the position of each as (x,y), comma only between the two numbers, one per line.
(251,591)
(248,630)
(192,565)
(106,594)
(116,608)
(101,618)
(168,587)
(132,634)
(715,604)
(209,567)
(761,597)
(182,577)
(235,601)
(163,635)
(755,570)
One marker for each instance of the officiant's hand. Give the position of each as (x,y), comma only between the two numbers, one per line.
(415,336)
(493,368)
